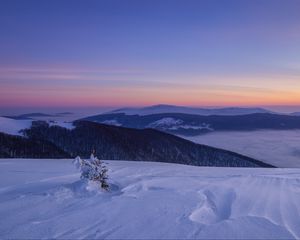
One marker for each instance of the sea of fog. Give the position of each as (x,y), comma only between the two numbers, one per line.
(280,148)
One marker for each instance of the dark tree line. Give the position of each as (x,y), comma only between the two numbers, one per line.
(118,143)
(20,147)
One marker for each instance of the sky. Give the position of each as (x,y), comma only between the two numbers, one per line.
(68,53)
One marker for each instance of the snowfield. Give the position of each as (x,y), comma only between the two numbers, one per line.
(46,199)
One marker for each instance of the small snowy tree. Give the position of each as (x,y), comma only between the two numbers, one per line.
(93,170)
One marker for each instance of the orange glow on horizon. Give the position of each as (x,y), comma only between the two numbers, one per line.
(87,87)
(142,97)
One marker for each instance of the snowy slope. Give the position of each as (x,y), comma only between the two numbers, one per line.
(12,126)
(157,109)
(44,199)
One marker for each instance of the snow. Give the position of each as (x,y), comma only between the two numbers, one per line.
(112,122)
(46,199)
(63,124)
(12,126)
(280,148)
(157,109)
(175,124)
(164,123)
(195,127)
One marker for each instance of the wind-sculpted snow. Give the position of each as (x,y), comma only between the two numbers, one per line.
(46,199)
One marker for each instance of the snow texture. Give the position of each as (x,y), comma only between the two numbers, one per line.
(280,148)
(12,126)
(45,199)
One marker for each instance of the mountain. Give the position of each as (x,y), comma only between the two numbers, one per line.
(295,114)
(19,147)
(30,116)
(118,143)
(39,116)
(187,124)
(159,109)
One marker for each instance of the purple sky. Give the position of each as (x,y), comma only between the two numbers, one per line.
(133,53)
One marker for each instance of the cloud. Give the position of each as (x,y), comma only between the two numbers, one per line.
(280,148)
(53,73)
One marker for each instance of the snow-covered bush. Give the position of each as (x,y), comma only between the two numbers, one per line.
(93,170)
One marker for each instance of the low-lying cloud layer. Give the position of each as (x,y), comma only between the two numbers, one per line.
(280,148)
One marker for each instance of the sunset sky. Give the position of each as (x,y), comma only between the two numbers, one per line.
(135,53)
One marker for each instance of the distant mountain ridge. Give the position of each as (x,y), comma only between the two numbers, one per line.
(37,115)
(28,116)
(188,124)
(162,108)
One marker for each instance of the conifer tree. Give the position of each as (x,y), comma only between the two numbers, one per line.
(93,170)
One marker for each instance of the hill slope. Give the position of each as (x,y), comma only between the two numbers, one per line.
(119,143)
(20,147)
